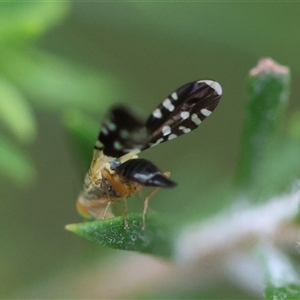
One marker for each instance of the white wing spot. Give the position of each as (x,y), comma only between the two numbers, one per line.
(172,136)
(184,129)
(117,145)
(98,144)
(214,85)
(157,114)
(111,126)
(174,96)
(124,134)
(166,130)
(104,131)
(157,142)
(205,112)
(196,119)
(184,115)
(168,105)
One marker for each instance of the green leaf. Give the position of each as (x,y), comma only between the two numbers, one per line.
(156,239)
(14,164)
(83,131)
(279,170)
(24,20)
(269,85)
(16,112)
(294,126)
(56,84)
(282,281)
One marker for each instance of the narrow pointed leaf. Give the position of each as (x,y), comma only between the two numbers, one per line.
(27,20)
(269,86)
(16,112)
(57,84)
(279,170)
(156,239)
(14,164)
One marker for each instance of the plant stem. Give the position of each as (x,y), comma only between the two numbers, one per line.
(268,89)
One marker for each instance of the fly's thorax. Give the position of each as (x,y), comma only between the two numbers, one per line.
(99,162)
(102,189)
(91,191)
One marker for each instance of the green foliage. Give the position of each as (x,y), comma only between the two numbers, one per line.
(31,77)
(23,22)
(156,238)
(15,164)
(273,177)
(268,89)
(55,83)
(14,107)
(282,281)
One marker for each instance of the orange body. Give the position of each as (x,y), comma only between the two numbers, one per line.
(111,188)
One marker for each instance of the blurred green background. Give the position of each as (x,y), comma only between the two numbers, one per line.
(60,59)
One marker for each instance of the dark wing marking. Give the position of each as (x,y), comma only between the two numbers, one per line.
(121,133)
(182,111)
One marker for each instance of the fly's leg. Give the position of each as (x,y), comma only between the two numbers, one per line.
(146,201)
(109,201)
(119,187)
(125,214)
(106,210)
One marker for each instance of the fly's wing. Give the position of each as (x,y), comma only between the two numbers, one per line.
(121,133)
(182,111)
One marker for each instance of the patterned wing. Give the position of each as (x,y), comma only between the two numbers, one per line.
(121,133)
(182,111)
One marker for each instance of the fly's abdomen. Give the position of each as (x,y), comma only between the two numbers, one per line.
(144,172)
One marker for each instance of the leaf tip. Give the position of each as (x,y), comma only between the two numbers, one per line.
(71,227)
(268,65)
